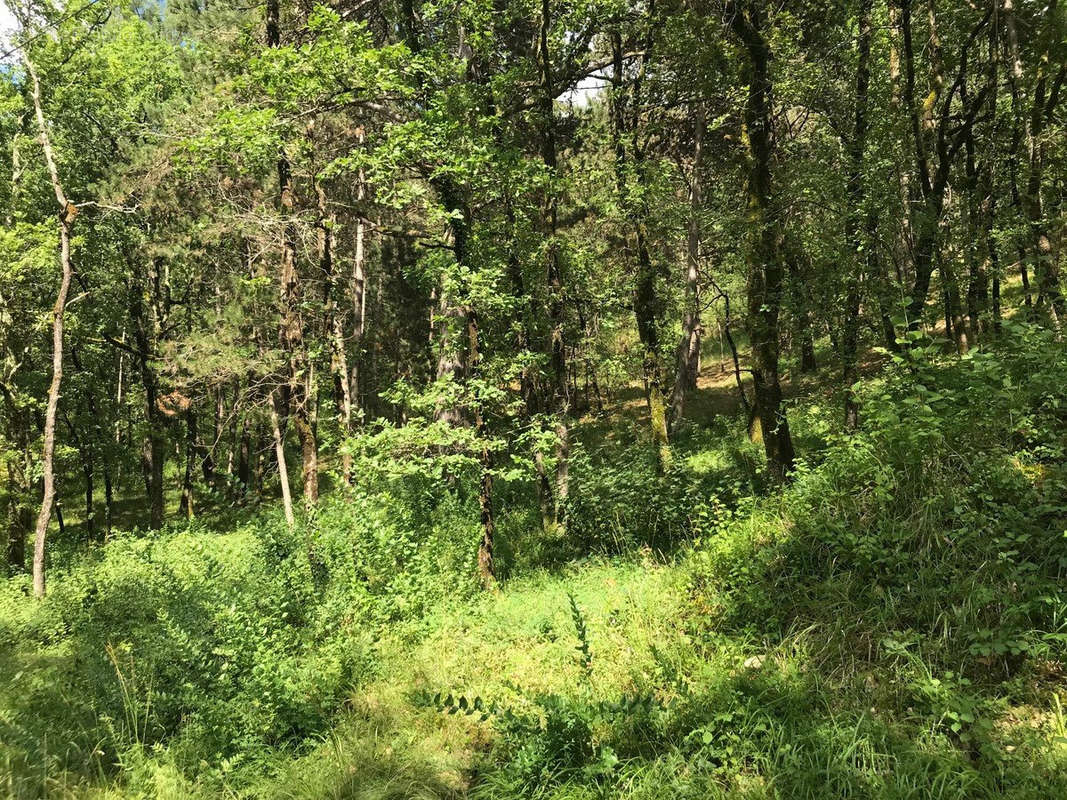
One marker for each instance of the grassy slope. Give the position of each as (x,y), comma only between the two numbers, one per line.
(830,644)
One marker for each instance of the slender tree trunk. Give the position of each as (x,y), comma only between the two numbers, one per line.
(185,505)
(808,362)
(359,309)
(1045,266)
(687,354)
(90,398)
(292,342)
(856,192)
(645,303)
(279,455)
(343,379)
(955,326)
(59,517)
(67,213)
(727,322)
(561,394)
(208,467)
(89,473)
(20,511)
(449,318)
(926,224)
(291,326)
(244,460)
(765,271)
(977,280)
(119,388)
(259,461)
(1019,118)
(798,266)
(646,300)
(154,446)
(1043,104)
(109,501)
(905,240)
(486,567)
(333,325)
(85,452)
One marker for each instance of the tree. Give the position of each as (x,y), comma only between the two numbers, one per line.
(66,213)
(765,269)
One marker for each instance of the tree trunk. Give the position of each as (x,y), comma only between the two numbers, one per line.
(67,213)
(1045,266)
(727,322)
(59,517)
(207,453)
(185,505)
(486,567)
(291,326)
(955,325)
(244,459)
(561,394)
(88,471)
(946,136)
(359,309)
(154,446)
(798,265)
(19,511)
(109,501)
(333,324)
(85,452)
(279,455)
(89,459)
(856,192)
(930,209)
(291,336)
(343,379)
(905,240)
(765,271)
(452,357)
(687,354)
(1042,106)
(646,301)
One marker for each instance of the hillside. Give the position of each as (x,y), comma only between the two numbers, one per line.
(889,626)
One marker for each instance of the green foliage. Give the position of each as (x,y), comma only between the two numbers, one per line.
(220,648)
(425,240)
(583,636)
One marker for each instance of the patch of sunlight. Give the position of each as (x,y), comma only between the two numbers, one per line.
(708,461)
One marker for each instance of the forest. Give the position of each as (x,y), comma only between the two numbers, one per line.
(553,399)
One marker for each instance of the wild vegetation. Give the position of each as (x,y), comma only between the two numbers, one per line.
(560,399)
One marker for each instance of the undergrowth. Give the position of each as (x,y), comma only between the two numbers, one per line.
(892,625)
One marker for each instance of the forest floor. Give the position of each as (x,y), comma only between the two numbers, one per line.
(893,625)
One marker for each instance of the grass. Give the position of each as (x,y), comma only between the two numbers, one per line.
(741,716)
(891,626)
